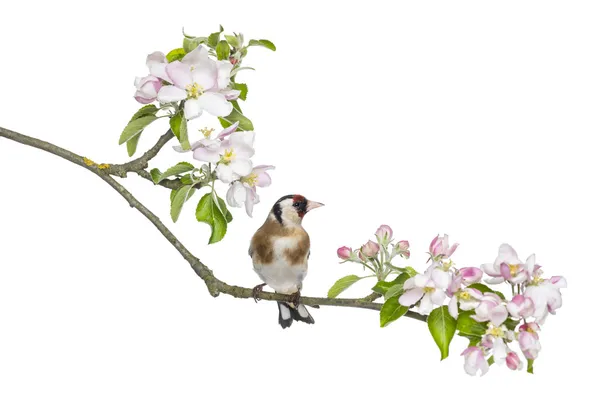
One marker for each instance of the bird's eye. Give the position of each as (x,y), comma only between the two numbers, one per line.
(296,204)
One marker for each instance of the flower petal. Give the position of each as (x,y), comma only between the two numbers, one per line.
(180,74)
(205,74)
(225,174)
(241,167)
(224,68)
(411,297)
(170,94)
(192,109)
(215,104)
(206,155)
(228,130)
(197,55)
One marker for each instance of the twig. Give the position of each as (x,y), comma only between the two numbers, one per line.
(214,285)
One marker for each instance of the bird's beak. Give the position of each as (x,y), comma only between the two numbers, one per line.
(310,205)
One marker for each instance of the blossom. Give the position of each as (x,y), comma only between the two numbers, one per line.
(401,248)
(345,253)
(422,287)
(491,309)
(507,266)
(370,249)
(235,154)
(146,89)
(157,65)
(384,235)
(470,275)
(529,340)
(439,248)
(208,146)
(513,362)
(467,299)
(520,307)
(244,190)
(475,361)
(199,81)
(545,295)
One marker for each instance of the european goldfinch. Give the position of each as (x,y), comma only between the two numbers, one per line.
(279,250)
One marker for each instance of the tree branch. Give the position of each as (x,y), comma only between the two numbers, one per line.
(214,285)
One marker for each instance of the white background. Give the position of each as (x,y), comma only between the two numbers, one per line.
(473,118)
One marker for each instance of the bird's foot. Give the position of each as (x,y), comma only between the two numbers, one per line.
(295,299)
(256,290)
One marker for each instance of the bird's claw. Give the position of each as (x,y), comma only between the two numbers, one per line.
(256,290)
(295,299)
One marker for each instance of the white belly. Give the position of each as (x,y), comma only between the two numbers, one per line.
(279,274)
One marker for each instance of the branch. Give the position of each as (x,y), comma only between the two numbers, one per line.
(214,285)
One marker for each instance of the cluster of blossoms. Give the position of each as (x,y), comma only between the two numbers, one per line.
(187,82)
(377,256)
(490,321)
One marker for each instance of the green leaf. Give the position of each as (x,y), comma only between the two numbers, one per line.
(208,212)
(181,167)
(442,327)
(191,43)
(176,54)
(179,127)
(490,360)
(187,179)
(182,195)
(468,326)
(225,210)
(484,288)
(511,324)
(391,311)
(473,340)
(530,366)
(149,109)
(222,50)
(132,144)
(232,40)
(383,286)
(262,43)
(135,127)
(213,40)
(243,88)
(394,291)
(173,193)
(341,285)
(155,174)
(236,116)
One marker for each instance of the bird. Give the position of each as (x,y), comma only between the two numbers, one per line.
(279,250)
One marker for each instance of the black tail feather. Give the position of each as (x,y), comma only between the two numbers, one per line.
(288,314)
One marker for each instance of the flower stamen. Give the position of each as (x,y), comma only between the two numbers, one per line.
(194,90)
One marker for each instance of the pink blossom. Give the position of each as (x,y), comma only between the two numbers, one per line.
(529,340)
(475,361)
(146,89)
(401,248)
(506,255)
(439,248)
(467,299)
(384,235)
(422,288)
(520,307)
(545,295)
(370,249)
(513,361)
(491,309)
(244,190)
(470,275)
(344,253)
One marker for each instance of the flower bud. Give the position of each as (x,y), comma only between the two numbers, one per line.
(470,275)
(513,361)
(370,249)
(147,89)
(344,253)
(384,234)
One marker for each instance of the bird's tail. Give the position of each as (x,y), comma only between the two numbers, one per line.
(288,313)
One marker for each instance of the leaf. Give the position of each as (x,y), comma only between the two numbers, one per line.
(176,54)
(173,193)
(225,210)
(511,324)
(181,167)
(490,360)
(232,40)
(236,116)
(243,88)
(222,50)
(187,180)
(132,144)
(394,291)
(473,340)
(530,366)
(213,39)
(442,327)
(155,174)
(341,285)
(182,195)
(391,311)
(149,109)
(262,43)
(179,127)
(208,212)
(484,288)
(383,286)
(468,326)
(191,43)
(135,127)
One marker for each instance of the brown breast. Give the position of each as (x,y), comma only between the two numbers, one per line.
(261,246)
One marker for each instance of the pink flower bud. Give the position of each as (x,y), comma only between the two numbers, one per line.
(370,249)
(401,248)
(147,89)
(470,275)
(384,234)
(512,361)
(344,253)
(439,248)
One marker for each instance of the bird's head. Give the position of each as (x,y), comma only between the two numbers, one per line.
(290,209)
